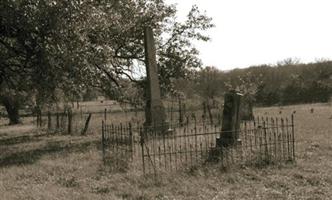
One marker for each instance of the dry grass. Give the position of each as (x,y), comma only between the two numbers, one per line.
(36,165)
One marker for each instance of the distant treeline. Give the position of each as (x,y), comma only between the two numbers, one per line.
(288,82)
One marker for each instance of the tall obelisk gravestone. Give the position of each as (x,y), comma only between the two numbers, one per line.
(154,111)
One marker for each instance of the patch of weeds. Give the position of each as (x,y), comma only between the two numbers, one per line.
(101,190)
(152,181)
(23,176)
(162,197)
(264,162)
(299,179)
(193,171)
(314,181)
(329,148)
(127,196)
(328,180)
(252,176)
(230,179)
(298,176)
(143,196)
(116,164)
(68,182)
(278,185)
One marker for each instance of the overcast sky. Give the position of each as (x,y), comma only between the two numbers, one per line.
(252,32)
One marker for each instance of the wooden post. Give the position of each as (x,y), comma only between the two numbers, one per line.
(37,119)
(69,114)
(49,120)
(40,119)
(57,121)
(86,126)
(105,115)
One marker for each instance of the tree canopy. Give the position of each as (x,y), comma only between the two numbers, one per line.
(47,45)
(287,82)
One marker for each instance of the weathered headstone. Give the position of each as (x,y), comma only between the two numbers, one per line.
(154,111)
(231,119)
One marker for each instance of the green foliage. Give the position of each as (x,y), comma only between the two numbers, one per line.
(73,46)
(208,83)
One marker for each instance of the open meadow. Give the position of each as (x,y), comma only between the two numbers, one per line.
(35,164)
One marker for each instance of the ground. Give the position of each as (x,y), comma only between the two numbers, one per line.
(38,165)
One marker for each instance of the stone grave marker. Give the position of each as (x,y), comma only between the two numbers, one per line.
(231,119)
(154,111)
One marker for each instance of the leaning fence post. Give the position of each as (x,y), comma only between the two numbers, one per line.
(86,125)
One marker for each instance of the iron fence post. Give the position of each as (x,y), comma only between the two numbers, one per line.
(103,139)
(142,148)
(293,137)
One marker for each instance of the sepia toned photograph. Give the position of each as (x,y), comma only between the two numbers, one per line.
(165,100)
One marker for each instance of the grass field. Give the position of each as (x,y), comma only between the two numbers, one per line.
(37,165)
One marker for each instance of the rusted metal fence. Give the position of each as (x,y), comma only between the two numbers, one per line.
(118,144)
(262,141)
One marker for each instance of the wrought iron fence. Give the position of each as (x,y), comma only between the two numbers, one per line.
(118,144)
(261,141)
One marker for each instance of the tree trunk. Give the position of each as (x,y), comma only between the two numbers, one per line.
(12,108)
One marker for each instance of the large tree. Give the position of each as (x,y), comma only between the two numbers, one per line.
(71,45)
